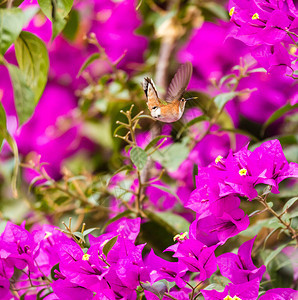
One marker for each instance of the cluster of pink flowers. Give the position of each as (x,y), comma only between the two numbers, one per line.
(271,27)
(112,266)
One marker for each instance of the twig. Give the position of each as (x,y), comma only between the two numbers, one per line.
(287,225)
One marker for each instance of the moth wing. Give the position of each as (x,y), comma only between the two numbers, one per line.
(180,82)
(151,93)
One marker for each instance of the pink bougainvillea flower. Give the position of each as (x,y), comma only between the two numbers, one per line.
(215,230)
(162,269)
(196,256)
(280,294)
(239,268)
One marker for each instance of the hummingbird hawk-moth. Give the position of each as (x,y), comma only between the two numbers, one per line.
(172,108)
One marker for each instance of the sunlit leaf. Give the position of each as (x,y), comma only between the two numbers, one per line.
(23,95)
(56,11)
(63,7)
(12,21)
(33,60)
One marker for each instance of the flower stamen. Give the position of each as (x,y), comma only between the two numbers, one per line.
(242,172)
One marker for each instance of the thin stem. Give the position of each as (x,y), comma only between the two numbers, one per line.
(287,225)
(28,287)
(156,148)
(139,194)
(170,296)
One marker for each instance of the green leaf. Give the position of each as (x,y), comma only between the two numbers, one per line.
(274,253)
(157,233)
(221,99)
(23,95)
(192,122)
(216,9)
(289,203)
(4,135)
(173,155)
(55,267)
(214,286)
(179,223)
(162,222)
(56,11)
(2,124)
(71,28)
(280,270)
(278,114)
(33,60)
(88,62)
(46,295)
(219,280)
(88,231)
(38,295)
(225,78)
(271,223)
(155,140)
(195,172)
(138,157)
(12,21)
(158,288)
(257,70)
(52,7)
(57,24)
(109,245)
(79,235)
(24,295)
